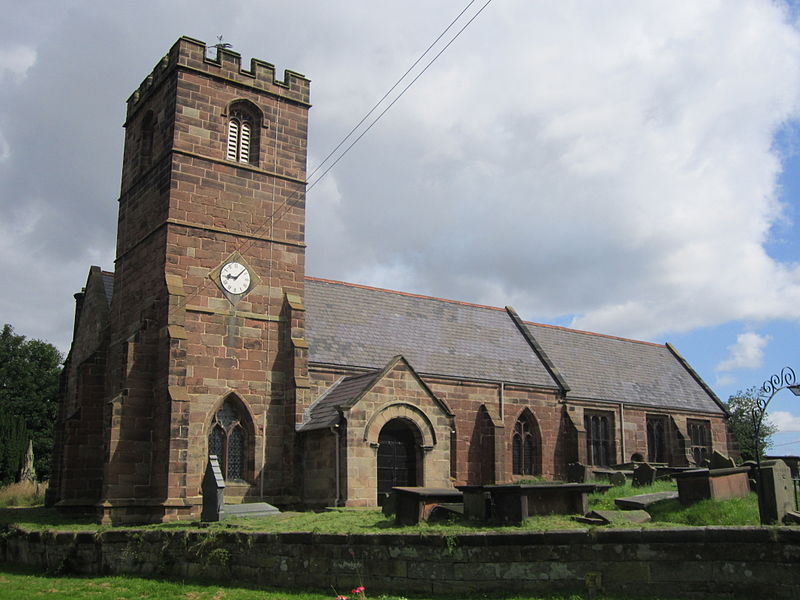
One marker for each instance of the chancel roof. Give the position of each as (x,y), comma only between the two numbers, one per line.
(601,367)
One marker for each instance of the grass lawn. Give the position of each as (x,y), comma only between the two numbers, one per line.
(737,511)
(18,583)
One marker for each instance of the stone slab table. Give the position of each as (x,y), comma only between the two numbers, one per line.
(414,504)
(717,484)
(514,503)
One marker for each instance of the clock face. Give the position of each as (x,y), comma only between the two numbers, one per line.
(235,278)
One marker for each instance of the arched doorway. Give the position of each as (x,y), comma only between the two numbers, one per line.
(398,457)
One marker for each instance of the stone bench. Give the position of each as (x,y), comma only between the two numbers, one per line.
(414,504)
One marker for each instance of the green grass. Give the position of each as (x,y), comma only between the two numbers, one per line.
(737,511)
(605,501)
(731,512)
(16,583)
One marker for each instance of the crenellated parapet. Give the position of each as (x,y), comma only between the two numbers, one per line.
(190,54)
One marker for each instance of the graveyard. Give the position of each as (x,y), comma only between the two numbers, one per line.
(646,536)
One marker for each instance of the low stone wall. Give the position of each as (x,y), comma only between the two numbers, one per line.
(687,562)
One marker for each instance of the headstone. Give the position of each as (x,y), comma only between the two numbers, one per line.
(213,492)
(643,474)
(777,491)
(578,473)
(616,478)
(719,461)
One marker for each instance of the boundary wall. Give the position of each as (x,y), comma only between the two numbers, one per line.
(670,563)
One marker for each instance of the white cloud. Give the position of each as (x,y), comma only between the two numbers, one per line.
(15,60)
(612,163)
(785,421)
(746,353)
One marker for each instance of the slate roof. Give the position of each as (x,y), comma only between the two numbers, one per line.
(600,367)
(323,413)
(356,326)
(108,285)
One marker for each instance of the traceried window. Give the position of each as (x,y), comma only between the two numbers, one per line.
(657,439)
(599,438)
(524,447)
(227,440)
(700,440)
(243,126)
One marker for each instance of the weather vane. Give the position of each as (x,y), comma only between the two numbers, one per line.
(220,44)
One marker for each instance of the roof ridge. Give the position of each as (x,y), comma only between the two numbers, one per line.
(594,333)
(409,294)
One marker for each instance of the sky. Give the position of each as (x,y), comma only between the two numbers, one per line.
(630,168)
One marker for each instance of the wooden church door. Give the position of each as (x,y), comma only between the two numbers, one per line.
(397,457)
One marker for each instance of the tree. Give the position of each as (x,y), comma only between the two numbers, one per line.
(29,390)
(740,423)
(14,438)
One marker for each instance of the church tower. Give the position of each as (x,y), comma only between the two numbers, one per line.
(206,350)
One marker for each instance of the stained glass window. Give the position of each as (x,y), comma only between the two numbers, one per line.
(228,441)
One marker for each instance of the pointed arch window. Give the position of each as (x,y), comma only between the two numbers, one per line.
(700,441)
(228,441)
(524,447)
(244,123)
(656,439)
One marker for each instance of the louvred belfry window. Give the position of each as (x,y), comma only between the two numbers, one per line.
(227,440)
(240,128)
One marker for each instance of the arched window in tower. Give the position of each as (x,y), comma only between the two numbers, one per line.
(228,441)
(244,123)
(525,447)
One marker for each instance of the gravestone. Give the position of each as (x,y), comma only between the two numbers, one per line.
(213,492)
(578,473)
(777,491)
(719,461)
(644,501)
(616,478)
(644,474)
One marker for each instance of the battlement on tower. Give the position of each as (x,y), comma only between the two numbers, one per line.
(190,54)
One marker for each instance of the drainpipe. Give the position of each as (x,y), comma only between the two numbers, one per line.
(622,430)
(502,401)
(335,432)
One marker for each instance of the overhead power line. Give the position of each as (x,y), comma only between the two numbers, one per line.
(291,201)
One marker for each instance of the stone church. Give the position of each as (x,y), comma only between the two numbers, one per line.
(209,338)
